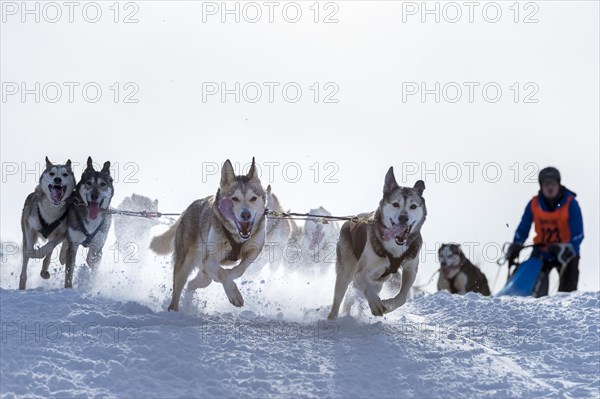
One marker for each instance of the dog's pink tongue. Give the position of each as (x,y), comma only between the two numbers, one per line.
(394,231)
(93,210)
(55,195)
(226,207)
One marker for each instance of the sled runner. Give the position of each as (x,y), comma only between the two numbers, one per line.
(525,280)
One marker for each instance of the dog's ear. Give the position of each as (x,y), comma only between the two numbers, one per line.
(48,163)
(155,202)
(390,181)
(227,173)
(90,165)
(419,187)
(252,173)
(268,189)
(106,168)
(68,164)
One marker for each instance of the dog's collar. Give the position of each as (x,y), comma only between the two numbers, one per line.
(48,228)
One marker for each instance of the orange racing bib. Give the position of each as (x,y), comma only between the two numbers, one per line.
(551,227)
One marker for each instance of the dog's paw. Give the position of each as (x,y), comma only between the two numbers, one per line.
(233,294)
(332,316)
(390,305)
(377,307)
(45,274)
(172,307)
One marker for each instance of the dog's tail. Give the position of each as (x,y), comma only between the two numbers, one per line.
(164,244)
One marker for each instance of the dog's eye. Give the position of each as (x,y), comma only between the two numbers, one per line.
(253,199)
(235,199)
(51,173)
(89,183)
(102,184)
(413,206)
(396,205)
(65,175)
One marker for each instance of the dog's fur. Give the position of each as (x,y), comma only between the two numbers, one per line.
(278,233)
(44,214)
(135,230)
(215,231)
(368,253)
(457,274)
(88,219)
(316,241)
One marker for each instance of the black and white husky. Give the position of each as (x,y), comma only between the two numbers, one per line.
(368,253)
(88,220)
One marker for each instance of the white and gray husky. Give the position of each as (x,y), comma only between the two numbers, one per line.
(216,231)
(368,253)
(44,214)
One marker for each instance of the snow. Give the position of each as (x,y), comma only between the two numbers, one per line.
(114,338)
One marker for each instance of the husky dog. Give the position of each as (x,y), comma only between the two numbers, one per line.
(320,236)
(367,253)
(457,274)
(135,229)
(278,233)
(88,219)
(44,214)
(215,231)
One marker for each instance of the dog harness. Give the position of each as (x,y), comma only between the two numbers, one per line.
(551,227)
(236,247)
(358,237)
(88,236)
(48,228)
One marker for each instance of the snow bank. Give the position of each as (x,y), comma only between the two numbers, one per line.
(63,343)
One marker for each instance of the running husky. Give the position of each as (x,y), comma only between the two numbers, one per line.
(457,274)
(88,219)
(368,253)
(319,239)
(44,214)
(278,233)
(215,231)
(135,231)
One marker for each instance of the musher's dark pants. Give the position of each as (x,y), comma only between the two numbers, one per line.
(568,279)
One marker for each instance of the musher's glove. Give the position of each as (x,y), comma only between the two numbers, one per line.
(513,251)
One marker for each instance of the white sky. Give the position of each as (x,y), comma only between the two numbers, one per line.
(166,139)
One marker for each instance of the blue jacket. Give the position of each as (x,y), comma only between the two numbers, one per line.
(575,220)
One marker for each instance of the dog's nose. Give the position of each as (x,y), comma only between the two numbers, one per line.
(245,215)
(57,180)
(403,219)
(94,196)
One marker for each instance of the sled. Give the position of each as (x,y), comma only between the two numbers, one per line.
(522,281)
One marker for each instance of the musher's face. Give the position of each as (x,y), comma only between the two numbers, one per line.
(550,188)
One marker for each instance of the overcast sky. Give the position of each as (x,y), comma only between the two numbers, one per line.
(513,97)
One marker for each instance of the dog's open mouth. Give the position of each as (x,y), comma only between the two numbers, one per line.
(93,210)
(399,232)
(57,192)
(244,228)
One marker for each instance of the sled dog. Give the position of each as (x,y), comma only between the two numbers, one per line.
(368,253)
(215,231)
(88,219)
(44,214)
(457,274)
(134,230)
